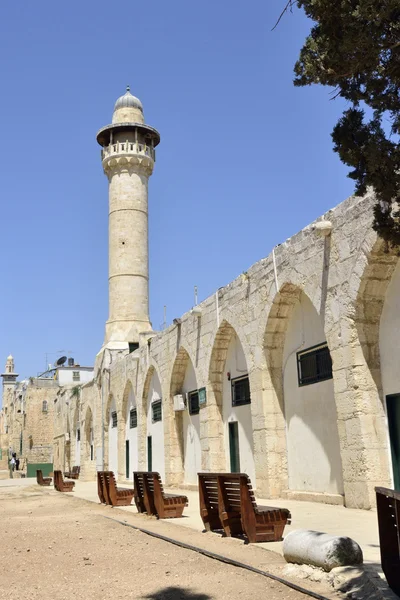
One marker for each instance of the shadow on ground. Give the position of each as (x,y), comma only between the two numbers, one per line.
(175,593)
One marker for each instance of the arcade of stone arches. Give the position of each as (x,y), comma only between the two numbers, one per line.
(273,411)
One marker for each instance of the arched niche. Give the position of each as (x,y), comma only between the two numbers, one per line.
(89,436)
(187,422)
(313,449)
(112,420)
(389,328)
(130,413)
(230,383)
(154,458)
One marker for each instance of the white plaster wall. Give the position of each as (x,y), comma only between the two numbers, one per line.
(156,430)
(191,432)
(314,461)
(112,443)
(236,365)
(131,435)
(388,345)
(65,375)
(389,336)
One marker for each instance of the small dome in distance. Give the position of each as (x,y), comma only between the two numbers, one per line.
(128,109)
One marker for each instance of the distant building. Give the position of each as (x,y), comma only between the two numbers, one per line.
(28,410)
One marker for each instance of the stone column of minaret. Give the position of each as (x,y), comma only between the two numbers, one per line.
(9,382)
(128,156)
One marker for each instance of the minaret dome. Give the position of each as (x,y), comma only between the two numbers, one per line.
(128,109)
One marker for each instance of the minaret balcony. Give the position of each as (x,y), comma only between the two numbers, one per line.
(124,148)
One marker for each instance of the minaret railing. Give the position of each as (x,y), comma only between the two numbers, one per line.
(128,148)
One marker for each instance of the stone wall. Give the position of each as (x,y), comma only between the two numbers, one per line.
(38,421)
(345,276)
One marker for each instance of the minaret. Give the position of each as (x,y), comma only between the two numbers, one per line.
(9,382)
(128,156)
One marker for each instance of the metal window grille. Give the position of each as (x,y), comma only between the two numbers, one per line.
(76,376)
(133,418)
(156,409)
(240,391)
(114,419)
(44,406)
(314,364)
(194,406)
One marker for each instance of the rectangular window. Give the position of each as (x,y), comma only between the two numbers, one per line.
(133,346)
(76,376)
(114,419)
(194,406)
(314,364)
(240,391)
(133,418)
(78,435)
(156,411)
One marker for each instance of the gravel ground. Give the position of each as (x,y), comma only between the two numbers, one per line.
(56,547)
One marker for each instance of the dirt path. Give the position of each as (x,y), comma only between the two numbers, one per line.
(56,547)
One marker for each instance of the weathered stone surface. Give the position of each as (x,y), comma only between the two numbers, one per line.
(304,546)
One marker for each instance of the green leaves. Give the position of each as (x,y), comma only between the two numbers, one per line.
(354,47)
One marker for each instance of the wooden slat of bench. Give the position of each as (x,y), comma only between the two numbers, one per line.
(229,504)
(208,498)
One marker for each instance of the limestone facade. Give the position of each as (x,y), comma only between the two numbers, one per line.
(331,284)
(28,417)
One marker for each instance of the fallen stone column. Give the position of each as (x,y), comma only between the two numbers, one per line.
(306,547)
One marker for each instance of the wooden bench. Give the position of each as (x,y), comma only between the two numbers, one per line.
(110,494)
(388,509)
(237,508)
(42,480)
(61,485)
(74,473)
(150,495)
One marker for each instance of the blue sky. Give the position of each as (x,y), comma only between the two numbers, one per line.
(245,159)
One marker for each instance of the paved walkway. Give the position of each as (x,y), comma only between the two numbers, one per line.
(360,525)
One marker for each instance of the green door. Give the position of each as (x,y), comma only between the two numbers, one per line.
(393,413)
(149,454)
(127,458)
(234,447)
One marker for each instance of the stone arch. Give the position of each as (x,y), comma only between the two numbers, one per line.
(125,397)
(275,333)
(183,425)
(75,443)
(217,360)
(377,274)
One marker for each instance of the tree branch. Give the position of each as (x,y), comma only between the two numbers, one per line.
(288,6)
